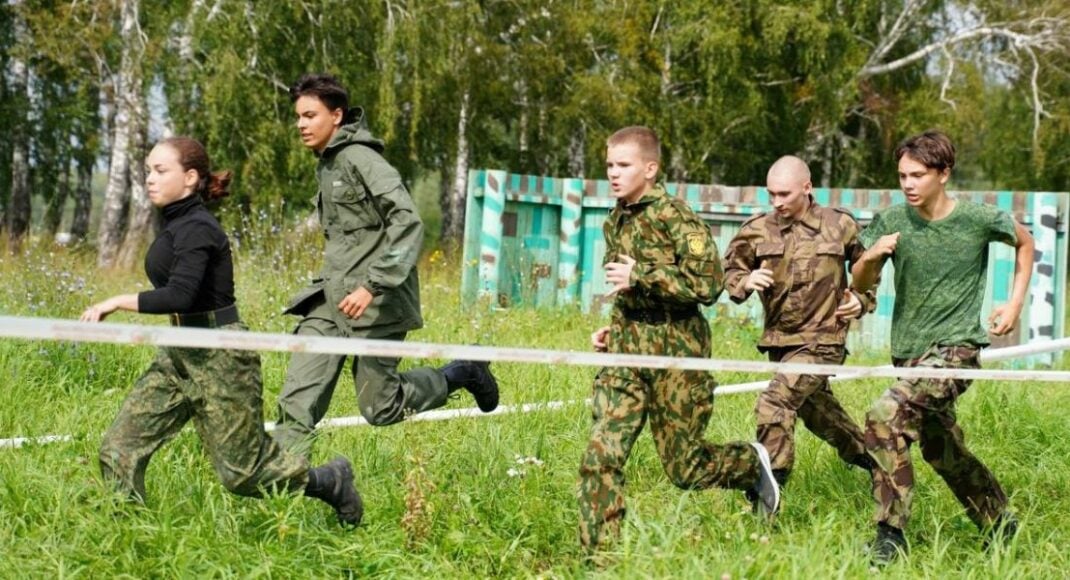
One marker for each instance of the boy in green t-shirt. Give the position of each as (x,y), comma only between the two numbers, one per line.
(939,249)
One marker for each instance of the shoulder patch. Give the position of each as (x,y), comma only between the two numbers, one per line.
(696,243)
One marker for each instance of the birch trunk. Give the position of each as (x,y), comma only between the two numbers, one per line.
(110,233)
(577,147)
(18,215)
(83,200)
(453,218)
(141,210)
(54,213)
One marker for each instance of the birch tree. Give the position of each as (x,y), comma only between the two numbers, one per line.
(946,37)
(141,209)
(18,213)
(128,96)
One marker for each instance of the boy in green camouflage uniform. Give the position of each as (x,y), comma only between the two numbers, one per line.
(939,247)
(794,257)
(662,264)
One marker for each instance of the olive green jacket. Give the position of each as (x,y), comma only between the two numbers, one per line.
(373,234)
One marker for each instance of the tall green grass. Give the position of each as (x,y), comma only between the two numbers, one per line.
(441,497)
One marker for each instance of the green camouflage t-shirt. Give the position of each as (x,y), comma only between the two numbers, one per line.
(940,273)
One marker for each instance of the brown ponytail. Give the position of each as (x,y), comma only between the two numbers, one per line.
(191,155)
(218,186)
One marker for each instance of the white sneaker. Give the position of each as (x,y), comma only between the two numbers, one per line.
(767,490)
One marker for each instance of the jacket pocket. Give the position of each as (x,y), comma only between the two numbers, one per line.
(771,251)
(830,249)
(354,207)
(302,303)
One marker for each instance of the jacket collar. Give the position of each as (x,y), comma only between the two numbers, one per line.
(809,219)
(657,192)
(177,209)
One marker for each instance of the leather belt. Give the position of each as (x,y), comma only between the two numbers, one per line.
(211,319)
(659,315)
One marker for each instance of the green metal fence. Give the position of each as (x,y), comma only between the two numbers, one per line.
(537,241)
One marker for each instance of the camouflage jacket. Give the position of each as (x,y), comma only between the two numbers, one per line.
(808,258)
(677,264)
(373,231)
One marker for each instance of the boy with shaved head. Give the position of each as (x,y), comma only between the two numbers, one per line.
(662,264)
(795,257)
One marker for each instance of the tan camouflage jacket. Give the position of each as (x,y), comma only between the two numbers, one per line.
(808,258)
(677,264)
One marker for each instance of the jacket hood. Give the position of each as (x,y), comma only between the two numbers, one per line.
(354,131)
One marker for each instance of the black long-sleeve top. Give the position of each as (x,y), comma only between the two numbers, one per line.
(189,263)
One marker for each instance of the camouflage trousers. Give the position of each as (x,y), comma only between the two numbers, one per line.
(678,405)
(220,391)
(384,395)
(807,397)
(923,410)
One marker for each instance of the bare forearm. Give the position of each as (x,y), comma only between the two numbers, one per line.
(128,302)
(1023,265)
(101,310)
(865,273)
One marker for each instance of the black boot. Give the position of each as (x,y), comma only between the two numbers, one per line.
(1002,531)
(888,545)
(475,376)
(864,461)
(333,483)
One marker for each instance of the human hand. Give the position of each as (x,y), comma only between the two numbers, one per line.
(759,279)
(1004,318)
(598,339)
(99,311)
(356,302)
(850,307)
(884,247)
(619,274)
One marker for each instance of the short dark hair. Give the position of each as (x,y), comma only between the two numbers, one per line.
(322,86)
(643,137)
(932,149)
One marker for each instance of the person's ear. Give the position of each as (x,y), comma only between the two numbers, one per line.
(651,170)
(808,187)
(191,179)
(945,174)
(337,115)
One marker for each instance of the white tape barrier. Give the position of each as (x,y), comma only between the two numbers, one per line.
(66,330)
(43,440)
(987,355)
(443,414)
(337,422)
(990,355)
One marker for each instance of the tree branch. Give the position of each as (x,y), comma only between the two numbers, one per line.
(1049,35)
(948,73)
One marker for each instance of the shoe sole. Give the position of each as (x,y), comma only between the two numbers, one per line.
(765,465)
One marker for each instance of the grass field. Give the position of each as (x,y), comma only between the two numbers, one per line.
(443,498)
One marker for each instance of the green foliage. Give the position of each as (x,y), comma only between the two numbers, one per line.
(729,86)
(440,498)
